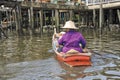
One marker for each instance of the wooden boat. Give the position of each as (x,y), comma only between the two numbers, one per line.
(74,59)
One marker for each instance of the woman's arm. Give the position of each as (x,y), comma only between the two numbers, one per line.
(82,41)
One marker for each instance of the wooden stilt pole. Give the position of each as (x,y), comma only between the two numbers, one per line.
(31,19)
(118,13)
(53,17)
(71,14)
(29,27)
(100,17)
(41,21)
(18,20)
(110,16)
(57,19)
(94,17)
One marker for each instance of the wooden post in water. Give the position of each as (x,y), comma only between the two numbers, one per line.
(57,19)
(31,19)
(36,19)
(15,17)
(41,21)
(100,17)
(94,17)
(44,17)
(67,16)
(79,16)
(118,13)
(71,14)
(18,20)
(0,17)
(83,18)
(0,22)
(64,17)
(52,19)
(29,28)
(87,18)
(110,16)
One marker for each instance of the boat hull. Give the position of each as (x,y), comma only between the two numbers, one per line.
(75,60)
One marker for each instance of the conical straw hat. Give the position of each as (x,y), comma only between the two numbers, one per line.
(70,25)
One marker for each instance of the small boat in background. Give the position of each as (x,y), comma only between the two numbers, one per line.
(72,59)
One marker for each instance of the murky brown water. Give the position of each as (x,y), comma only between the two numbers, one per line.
(31,58)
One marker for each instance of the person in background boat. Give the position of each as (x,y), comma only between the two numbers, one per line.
(72,39)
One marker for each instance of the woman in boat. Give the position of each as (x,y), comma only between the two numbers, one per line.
(72,39)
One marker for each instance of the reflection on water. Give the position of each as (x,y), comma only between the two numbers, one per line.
(24,49)
(31,58)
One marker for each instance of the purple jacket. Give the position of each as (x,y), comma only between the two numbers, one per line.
(72,40)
